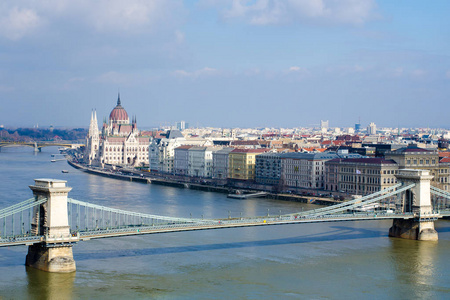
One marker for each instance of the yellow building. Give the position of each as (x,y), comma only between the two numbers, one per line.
(241,163)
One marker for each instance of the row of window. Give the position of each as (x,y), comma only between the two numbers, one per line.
(421,162)
(128,149)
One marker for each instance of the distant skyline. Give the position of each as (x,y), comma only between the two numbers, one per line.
(226,63)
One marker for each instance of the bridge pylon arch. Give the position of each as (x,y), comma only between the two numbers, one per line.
(416,200)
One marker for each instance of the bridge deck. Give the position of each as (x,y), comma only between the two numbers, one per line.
(208,225)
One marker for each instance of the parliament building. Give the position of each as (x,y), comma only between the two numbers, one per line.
(119,142)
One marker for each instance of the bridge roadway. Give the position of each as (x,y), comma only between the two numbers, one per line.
(212,224)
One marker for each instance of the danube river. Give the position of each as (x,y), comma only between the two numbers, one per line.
(343,260)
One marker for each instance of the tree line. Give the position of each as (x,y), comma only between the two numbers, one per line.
(37,134)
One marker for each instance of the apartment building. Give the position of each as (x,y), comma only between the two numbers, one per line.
(360,176)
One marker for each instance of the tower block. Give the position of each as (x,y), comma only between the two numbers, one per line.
(418,201)
(50,220)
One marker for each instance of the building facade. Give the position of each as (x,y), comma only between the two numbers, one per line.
(119,143)
(360,176)
(242,163)
(161,152)
(413,157)
(305,170)
(181,160)
(268,168)
(220,163)
(200,162)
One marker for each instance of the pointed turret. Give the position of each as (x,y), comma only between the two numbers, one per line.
(118,99)
(93,126)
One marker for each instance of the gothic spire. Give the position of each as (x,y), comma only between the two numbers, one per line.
(118,99)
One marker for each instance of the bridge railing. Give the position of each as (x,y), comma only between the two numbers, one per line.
(366,202)
(84,216)
(441,199)
(241,222)
(15,220)
(356,202)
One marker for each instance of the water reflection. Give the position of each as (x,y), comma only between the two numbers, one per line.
(45,285)
(414,264)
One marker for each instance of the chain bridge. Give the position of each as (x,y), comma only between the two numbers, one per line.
(50,223)
(37,146)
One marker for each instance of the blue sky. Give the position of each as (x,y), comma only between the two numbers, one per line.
(226,63)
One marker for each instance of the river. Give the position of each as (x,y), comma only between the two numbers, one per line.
(342,260)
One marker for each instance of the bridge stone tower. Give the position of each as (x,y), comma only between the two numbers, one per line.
(418,201)
(50,219)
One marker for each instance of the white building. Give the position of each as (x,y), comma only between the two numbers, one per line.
(120,142)
(372,129)
(162,151)
(181,160)
(200,161)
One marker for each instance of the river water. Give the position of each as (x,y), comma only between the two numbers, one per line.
(342,260)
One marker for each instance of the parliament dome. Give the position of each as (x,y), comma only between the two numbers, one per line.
(119,114)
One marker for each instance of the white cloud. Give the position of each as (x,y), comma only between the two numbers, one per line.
(196,74)
(15,22)
(122,15)
(17,18)
(298,72)
(264,12)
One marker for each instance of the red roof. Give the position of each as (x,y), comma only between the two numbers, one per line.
(444,154)
(412,148)
(445,160)
(115,139)
(118,113)
(125,128)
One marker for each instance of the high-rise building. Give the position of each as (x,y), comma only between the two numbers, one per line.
(372,129)
(182,125)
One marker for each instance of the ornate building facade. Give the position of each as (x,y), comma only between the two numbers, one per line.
(119,143)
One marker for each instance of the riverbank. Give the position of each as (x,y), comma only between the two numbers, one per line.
(145,177)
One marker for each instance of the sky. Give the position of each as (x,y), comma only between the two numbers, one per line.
(226,63)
